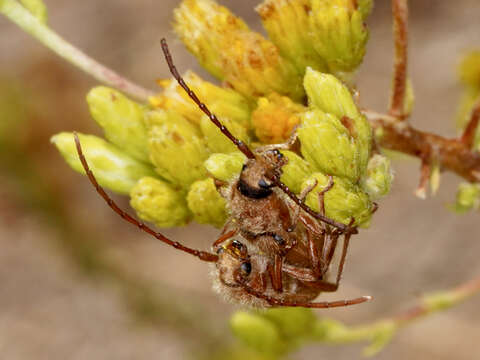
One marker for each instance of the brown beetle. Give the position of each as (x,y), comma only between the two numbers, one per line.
(241,275)
(274,250)
(261,207)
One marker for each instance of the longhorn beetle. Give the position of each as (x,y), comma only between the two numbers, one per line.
(248,269)
(263,214)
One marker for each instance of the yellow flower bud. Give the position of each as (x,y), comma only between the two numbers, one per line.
(295,171)
(177,148)
(275,118)
(121,120)
(292,322)
(216,141)
(468,198)
(206,204)
(338,31)
(224,102)
(343,201)
(327,93)
(379,177)
(257,332)
(288,26)
(255,68)
(156,201)
(113,168)
(202,26)
(225,166)
(229,50)
(328,146)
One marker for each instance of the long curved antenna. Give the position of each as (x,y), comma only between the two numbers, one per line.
(238,143)
(243,147)
(202,255)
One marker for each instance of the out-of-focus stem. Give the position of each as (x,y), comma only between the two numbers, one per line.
(400,29)
(380,332)
(29,23)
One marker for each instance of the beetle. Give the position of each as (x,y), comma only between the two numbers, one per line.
(261,205)
(274,250)
(240,270)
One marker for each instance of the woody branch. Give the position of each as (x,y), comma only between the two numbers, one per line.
(454,154)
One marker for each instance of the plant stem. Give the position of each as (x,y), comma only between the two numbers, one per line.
(29,23)
(380,332)
(400,29)
(452,154)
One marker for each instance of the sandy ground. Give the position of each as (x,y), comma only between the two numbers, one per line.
(51,310)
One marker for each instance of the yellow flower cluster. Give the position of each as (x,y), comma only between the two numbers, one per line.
(165,154)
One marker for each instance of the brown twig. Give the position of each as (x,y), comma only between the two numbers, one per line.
(425,171)
(468,136)
(452,154)
(400,31)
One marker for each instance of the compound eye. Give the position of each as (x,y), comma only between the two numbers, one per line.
(264,184)
(238,245)
(246,268)
(220,250)
(277,153)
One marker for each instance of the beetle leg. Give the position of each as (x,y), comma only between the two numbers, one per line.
(321,195)
(276,273)
(274,302)
(346,242)
(328,250)
(223,238)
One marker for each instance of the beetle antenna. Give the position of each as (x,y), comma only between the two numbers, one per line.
(242,146)
(213,118)
(202,255)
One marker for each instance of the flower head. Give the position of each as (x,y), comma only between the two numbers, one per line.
(166,153)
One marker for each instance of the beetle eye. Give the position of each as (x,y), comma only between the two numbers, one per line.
(237,245)
(264,184)
(277,153)
(246,268)
(220,250)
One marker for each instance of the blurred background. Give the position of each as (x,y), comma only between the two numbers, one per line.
(77,282)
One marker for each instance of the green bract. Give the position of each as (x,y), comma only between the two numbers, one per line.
(206,204)
(328,94)
(156,201)
(343,201)
(295,171)
(257,332)
(121,120)
(216,141)
(177,148)
(328,146)
(379,177)
(225,166)
(468,198)
(112,167)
